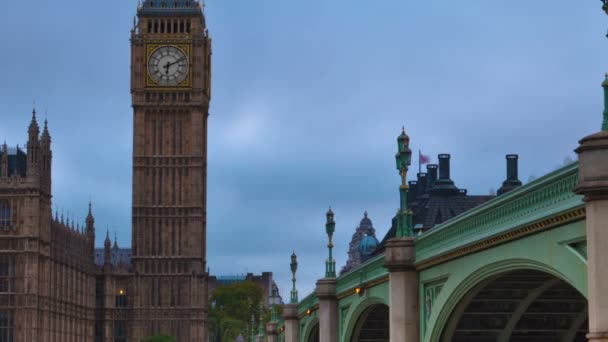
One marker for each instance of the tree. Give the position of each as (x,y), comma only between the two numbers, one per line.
(158,338)
(232,308)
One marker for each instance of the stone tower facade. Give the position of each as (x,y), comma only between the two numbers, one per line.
(47,279)
(170,87)
(51,289)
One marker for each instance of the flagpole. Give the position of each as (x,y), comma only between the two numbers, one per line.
(419,165)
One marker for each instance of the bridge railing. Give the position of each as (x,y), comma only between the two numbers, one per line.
(545,197)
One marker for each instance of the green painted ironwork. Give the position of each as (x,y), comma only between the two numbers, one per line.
(308,302)
(294,268)
(404,160)
(547,196)
(355,306)
(261,329)
(546,251)
(274,313)
(367,272)
(252,337)
(330,228)
(431,291)
(556,251)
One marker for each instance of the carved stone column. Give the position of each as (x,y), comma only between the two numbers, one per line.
(271,332)
(593,184)
(404,314)
(328,310)
(292,327)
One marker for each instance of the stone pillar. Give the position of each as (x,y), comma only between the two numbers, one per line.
(403,290)
(328,310)
(292,326)
(271,332)
(593,184)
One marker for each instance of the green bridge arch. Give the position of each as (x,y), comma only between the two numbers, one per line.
(550,252)
(352,318)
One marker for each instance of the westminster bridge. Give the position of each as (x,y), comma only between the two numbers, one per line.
(529,265)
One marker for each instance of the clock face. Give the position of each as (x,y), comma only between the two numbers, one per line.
(168,65)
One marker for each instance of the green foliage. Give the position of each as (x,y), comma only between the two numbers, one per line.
(159,338)
(231,309)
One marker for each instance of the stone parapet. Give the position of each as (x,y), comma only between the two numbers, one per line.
(593,166)
(326,288)
(593,184)
(271,331)
(400,254)
(290,311)
(404,319)
(328,310)
(292,326)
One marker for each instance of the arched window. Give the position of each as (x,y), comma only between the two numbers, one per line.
(5,215)
(7,274)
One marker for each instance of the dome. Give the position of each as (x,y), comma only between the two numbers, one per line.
(368,244)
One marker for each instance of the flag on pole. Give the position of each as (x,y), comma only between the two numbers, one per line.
(422,159)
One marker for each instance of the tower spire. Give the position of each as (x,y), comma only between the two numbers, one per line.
(33,128)
(107,244)
(46,137)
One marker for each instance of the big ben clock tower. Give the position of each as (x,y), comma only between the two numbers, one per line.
(170,87)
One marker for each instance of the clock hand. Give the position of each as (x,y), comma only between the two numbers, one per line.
(166,66)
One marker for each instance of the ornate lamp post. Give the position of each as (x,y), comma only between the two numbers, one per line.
(403,160)
(294,268)
(330,228)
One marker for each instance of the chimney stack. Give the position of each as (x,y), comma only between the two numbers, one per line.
(444,166)
(512,180)
(444,185)
(431,170)
(512,166)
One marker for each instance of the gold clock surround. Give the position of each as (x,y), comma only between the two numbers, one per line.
(151,83)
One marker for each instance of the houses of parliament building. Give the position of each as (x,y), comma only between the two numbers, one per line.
(51,288)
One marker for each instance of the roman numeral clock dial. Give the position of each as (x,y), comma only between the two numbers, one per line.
(168,66)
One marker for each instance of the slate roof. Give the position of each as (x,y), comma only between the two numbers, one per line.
(120,257)
(433,203)
(438,209)
(170,7)
(17,162)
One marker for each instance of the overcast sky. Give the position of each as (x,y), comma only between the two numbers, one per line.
(308,99)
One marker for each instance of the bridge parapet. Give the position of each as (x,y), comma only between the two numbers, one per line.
(539,205)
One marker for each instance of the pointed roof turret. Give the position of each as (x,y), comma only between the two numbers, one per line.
(90,219)
(34,130)
(107,243)
(107,255)
(115,241)
(46,137)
